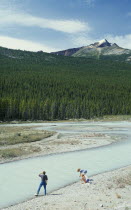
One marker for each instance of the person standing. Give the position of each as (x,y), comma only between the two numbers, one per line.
(43,183)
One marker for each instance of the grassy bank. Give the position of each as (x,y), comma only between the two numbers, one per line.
(16,135)
(11,137)
(104,118)
(113,118)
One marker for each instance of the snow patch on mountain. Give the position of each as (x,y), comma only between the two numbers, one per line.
(102,41)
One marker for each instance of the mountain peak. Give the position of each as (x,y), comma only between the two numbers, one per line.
(103,43)
(97,49)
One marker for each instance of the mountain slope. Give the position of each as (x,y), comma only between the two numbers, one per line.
(101,49)
(67,52)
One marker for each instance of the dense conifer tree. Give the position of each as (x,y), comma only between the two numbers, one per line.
(48,87)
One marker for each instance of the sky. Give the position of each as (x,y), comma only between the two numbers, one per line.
(53,25)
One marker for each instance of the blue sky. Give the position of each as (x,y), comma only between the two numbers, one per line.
(52,25)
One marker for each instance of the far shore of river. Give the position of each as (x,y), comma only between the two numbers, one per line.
(38,141)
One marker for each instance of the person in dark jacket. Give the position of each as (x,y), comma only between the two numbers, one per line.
(43,183)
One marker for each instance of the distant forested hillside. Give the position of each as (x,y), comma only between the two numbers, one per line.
(41,86)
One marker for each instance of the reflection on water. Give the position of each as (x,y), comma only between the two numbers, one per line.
(19,180)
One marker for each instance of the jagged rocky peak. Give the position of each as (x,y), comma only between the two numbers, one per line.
(101,43)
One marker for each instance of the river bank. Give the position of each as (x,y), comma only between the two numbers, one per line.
(110,190)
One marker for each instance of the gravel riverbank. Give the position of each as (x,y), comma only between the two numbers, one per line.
(110,190)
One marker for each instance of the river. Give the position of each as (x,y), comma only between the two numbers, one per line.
(19,179)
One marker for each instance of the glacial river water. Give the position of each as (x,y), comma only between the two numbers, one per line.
(19,180)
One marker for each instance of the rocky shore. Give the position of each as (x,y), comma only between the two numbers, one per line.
(110,190)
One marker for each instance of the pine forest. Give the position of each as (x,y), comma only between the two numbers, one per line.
(42,86)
